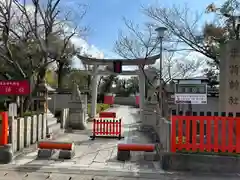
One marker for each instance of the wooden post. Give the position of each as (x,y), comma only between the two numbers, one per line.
(191,126)
(4,135)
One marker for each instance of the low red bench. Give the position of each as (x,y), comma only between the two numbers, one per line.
(124,149)
(136,147)
(107,115)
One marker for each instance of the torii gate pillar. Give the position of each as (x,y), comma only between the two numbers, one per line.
(142,78)
(94,85)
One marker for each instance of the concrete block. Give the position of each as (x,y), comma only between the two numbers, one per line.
(45,153)
(6,154)
(201,163)
(34,129)
(123,155)
(44,126)
(66,154)
(39,126)
(27,131)
(20,134)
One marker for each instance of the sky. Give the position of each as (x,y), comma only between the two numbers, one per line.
(105,17)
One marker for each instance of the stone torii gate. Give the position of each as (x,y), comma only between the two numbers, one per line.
(97,71)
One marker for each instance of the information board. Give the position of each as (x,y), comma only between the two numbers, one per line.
(14,87)
(190,94)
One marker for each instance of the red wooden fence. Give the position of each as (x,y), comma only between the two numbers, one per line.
(103,127)
(208,133)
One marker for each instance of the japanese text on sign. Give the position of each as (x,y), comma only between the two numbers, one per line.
(191,98)
(13,87)
(234,72)
(233,100)
(234,52)
(234,69)
(234,84)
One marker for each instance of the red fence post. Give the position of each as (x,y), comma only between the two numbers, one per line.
(238,135)
(194,133)
(120,128)
(106,130)
(208,134)
(100,126)
(215,142)
(114,127)
(4,136)
(188,134)
(230,134)
(202,144)
(173,133)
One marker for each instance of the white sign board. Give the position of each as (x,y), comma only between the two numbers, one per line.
(190,98)
(12,110)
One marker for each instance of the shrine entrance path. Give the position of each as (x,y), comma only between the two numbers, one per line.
(95,159)
(99,154)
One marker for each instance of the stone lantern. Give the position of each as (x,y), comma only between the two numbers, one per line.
(41,101)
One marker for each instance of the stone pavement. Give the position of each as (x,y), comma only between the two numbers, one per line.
(64,174)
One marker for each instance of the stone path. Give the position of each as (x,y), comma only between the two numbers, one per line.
(8,174)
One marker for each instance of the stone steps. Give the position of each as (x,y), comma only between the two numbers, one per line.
(52,121)
(54,127)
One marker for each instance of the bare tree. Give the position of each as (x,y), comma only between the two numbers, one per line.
(185,27)
(29,38)
(143,44)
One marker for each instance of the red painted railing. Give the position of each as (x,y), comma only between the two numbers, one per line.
(103,127)
(205,133)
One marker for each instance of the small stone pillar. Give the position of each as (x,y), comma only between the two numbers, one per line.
(76,110)
(85,106)
(150,114)
(94,88)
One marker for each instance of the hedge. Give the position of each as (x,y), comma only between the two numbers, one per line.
(100,107)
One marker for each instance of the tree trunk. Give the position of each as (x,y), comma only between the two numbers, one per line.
(28,101)
(60,74)
(89,81)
